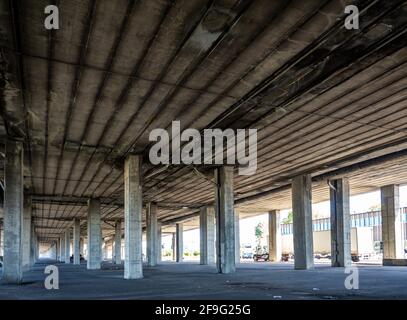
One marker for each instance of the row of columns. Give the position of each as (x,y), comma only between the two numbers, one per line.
(20,243)
(17,217)
(392,232)
(17,223)
(224,211)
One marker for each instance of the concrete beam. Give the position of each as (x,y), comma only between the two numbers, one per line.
(392,227)
(108,201)
(13,213)
(225,220)
(274,236)
(207,235)
(133,209)
(302,222)
(94,235)
(76,241)
(340,223)
(151,225)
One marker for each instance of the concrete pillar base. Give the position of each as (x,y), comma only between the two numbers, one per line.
(225,220)
(302,222)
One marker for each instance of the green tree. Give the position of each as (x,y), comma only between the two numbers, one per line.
(258,232)
(289,218)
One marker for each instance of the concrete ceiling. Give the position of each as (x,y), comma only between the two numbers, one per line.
(326,100)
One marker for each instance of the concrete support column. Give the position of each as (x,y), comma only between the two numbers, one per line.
(159,243)
(151,234)
(94,235)
(174,246)
(302,222)
(274,236)
(237,237)
(105,249)
(1,240)
(62,248)
(179,242)
(68,246)
(26,233)
(37,249)
(225,220)
(58,250)
(392,227)
(76,241)
(133,208)
(207,235)
(81,245)
(13,213)
(53,251)
(340,223)
(118,242)
(32,244)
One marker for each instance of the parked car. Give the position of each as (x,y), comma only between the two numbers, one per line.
(247,255)
(261,257)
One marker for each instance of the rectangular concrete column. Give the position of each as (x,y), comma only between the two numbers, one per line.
(340,223)
(52,251)
(159,243)
(225,220)
(67,245)
(76,240)
(118,242)
(94,235)
(32,243)
(1,239)
(37,248)
(392,227)
(151,234)
(105,249)
(13,212)
(179,242)
(133,208)
(302,222)
(237,237)
(26,233)
(207,235)
(62,241)
(81,245)
(58,249)
(274,236)
(174,246)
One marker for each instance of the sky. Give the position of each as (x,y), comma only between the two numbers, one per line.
(358,204)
